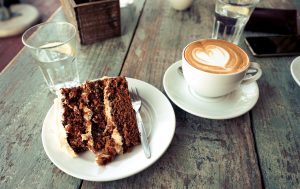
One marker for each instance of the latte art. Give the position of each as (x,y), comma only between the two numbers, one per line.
(212,55)
(216,56)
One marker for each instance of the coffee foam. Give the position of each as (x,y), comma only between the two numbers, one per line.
(216,56)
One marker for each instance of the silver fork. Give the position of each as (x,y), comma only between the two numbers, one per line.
(137,103)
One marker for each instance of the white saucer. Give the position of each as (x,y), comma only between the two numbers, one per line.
(232,105)
(295,70)
(157,113)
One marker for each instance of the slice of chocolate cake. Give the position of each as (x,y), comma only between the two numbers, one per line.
(97,116)
(72,118)
(121,131)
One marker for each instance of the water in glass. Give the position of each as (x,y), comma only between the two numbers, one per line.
(58,63)
(231,18)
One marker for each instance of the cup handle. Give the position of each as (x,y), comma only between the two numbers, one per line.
(253,73)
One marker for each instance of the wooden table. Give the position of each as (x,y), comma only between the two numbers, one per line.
(256,150)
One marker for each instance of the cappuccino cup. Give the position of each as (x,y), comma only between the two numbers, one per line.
(214,67)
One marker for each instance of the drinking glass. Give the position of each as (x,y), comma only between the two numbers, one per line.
(231,17)
(53,46)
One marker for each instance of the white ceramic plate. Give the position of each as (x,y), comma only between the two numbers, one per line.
(158,116)
(295,70)
(229,106)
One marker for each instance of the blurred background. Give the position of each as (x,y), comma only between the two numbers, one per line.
(10,46)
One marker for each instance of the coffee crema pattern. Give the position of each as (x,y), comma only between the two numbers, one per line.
(216,56)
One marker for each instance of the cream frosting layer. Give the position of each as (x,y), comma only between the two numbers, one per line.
(59,128)
(116,136)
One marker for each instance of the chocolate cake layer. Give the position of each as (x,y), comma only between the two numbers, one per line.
(123,114)
(122,129)
(73,118)
(96,120)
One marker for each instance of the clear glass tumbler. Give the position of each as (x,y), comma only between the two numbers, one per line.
(231,17)
(53,46)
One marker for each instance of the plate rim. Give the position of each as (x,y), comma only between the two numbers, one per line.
(172,127)
(293,64)
(183,107)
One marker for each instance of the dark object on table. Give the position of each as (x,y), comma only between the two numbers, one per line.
(8,3)
(5,11)
(95,20)
(277,21)
(288,45)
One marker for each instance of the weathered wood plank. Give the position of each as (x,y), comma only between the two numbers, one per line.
(276,125)
(204,153)
(276,118)
(24,163)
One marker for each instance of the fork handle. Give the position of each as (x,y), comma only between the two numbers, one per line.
(144,139)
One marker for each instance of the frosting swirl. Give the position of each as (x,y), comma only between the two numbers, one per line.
(216,56)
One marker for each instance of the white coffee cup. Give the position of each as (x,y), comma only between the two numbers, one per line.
(214,68)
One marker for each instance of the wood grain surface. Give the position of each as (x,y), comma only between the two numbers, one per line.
(259,149)
(276,117)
